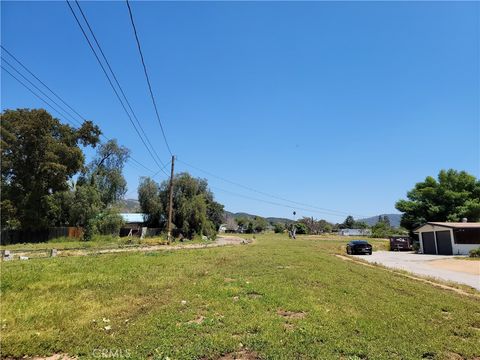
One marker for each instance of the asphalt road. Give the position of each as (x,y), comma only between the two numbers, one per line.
(435,266)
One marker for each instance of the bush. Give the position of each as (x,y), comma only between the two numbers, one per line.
(279,228)
(474,253)
(109,223)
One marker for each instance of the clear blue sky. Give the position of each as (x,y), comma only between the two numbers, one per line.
(336,104)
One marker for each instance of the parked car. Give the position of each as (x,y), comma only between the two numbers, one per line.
(398,243)
(359,247)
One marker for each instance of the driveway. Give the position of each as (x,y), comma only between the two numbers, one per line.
(448,268)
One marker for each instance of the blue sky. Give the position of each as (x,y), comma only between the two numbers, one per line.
(340,105)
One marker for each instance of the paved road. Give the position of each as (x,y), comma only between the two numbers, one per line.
(427,265)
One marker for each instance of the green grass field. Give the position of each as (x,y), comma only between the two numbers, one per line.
(273,299)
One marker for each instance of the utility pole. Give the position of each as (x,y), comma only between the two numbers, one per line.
(170,202)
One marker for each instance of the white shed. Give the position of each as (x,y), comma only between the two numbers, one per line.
(448,238)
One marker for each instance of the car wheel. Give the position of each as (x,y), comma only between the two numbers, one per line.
(370,253)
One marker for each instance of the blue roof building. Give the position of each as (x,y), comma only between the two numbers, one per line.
(134,218)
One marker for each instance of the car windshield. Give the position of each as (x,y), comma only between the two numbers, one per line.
(356,242)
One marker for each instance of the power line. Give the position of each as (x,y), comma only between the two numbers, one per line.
(116,80)
(342,213)
(57,111)
(274,203)
(41,82)
(146,76)
(113,87)
(43,93)
(57,96)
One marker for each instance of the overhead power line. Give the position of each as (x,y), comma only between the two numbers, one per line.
(41,82)
(147,77)
(274,203)
(72,120)
(62,113)
(338,212)
(145,140)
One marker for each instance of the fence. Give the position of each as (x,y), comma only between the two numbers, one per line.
(10,237)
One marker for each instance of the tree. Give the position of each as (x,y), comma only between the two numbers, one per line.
(361,225)
(85,209)
(301,228)
(349,223)
(279,228)
(39,156)
(259,224)
(195,212)
(105,172)
(149,198)
(454,196)
(109,222)
(386,220)
(381,230)
(242,221)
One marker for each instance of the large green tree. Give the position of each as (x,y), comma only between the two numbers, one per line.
(195,212)
(452,196)
(105,172)
(149,198)
(39,157)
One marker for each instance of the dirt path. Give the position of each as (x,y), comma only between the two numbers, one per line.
(219,241)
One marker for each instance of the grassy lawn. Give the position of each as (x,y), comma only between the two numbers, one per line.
(275,299)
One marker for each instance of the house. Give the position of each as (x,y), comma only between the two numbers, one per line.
(448,238)
(355,232)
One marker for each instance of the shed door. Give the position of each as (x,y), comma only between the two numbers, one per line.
(428,241)
(444,243)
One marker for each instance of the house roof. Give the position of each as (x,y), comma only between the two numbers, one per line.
(453,225)
(133,217)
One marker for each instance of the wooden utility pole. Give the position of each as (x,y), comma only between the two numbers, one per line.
(170,202)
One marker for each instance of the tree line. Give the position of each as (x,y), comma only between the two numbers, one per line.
(45,181)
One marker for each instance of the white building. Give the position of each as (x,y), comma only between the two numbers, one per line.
(355,232)
(448,238)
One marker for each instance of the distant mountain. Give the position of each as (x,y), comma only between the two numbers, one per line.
(394,219)
(272,220)
(129,206)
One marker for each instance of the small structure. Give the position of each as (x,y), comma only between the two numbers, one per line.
(134,224)
(355,232)
(448,238)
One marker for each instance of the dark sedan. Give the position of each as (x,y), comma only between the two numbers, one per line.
(359,247)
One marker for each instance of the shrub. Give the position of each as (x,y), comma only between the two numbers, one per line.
(279,228)
(475,252)
(109,223)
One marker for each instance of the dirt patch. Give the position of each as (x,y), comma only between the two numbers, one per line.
(291,314)
(198,320)
(51,357)
(453,356)
(459,265)
(254,295)
(240,355)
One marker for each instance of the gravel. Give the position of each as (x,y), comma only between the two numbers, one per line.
(422,264)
